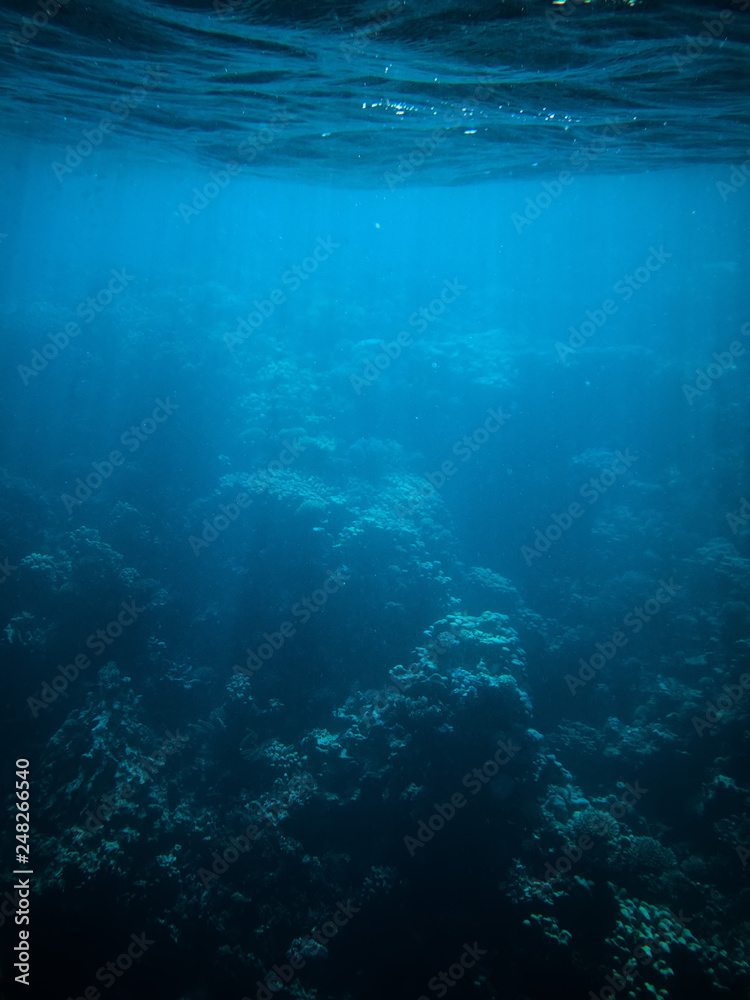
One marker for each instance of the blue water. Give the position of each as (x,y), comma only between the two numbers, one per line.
(374,502)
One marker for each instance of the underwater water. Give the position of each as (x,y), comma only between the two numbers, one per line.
(375,500)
